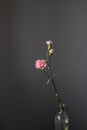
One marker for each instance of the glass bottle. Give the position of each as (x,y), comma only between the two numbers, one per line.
(61,121)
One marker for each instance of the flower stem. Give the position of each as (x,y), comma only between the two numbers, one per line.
(51,77)
(56,91)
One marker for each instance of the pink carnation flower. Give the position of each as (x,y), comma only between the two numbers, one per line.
(40,64)
(49,42)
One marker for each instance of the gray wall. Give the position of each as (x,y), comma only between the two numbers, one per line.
(26,102)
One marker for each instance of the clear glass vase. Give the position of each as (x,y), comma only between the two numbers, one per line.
(61,121)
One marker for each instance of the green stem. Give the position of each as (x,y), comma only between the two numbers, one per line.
(47,74)
(51,77)
(56,91)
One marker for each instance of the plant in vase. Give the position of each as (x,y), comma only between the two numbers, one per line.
(61,118)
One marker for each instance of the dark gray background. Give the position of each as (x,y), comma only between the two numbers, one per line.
(26,102)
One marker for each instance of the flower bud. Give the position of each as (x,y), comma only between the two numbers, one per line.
(51,51)
(49,42)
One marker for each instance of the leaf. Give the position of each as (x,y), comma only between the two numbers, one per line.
(48,81)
